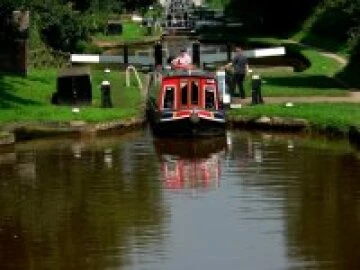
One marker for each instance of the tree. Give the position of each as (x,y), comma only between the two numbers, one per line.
(62,28)
(277,16)
(132,5)
(7,29)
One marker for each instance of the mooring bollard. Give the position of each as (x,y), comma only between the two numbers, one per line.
(106,91)
(196,53)
(126,55)
(106,94)
(158,54)
(256,90)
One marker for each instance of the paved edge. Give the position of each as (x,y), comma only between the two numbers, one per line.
(13,133)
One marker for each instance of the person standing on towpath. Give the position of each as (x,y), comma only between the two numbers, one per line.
(241,67)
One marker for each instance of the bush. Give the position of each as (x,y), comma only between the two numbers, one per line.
(62,28)
(86,47)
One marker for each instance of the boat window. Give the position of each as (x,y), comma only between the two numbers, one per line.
(184,93)
(209,97)
(169,97)
(195,92)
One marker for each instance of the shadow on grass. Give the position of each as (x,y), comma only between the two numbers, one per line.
(305,81)
(329,33)
(8,97)
(350,75)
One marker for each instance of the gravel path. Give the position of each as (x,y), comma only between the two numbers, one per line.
(353,97)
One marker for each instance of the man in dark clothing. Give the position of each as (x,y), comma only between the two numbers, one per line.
(241,67)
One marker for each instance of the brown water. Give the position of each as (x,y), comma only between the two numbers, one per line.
(251,201)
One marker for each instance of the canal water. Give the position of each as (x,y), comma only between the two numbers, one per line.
(248,201)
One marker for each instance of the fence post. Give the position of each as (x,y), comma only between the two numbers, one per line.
(158,54)
(196,53)
(228,51)
(126,54)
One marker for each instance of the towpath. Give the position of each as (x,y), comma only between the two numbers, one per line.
(352,97)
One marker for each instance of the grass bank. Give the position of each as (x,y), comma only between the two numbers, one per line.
(28,99)
(321,115)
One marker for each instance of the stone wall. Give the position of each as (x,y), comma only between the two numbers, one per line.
(13,57)
(14,50)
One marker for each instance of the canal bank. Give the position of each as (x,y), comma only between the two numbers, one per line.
(328,116)
(14,133)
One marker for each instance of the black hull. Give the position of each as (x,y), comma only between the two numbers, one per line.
(190,148)
(188,129)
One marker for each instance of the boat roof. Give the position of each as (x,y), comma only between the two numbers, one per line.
(188,73)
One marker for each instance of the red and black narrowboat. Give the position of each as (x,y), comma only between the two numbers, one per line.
(185,103)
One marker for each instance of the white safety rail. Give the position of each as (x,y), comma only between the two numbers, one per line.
(258,53)
(127,75)
(215,56)
(96,58)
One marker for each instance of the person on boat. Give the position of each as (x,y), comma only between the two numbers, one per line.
(183,61)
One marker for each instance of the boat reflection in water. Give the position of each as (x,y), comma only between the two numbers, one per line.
(191,164)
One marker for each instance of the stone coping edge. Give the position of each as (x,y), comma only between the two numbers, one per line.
(13,133)
(17,132)
(293,125)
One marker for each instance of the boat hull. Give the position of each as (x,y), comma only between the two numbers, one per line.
(187,128)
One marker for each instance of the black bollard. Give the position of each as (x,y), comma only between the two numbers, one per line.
(126,55)
(256,90)
(158,54)
(196,53)
(228,51)
(106,95)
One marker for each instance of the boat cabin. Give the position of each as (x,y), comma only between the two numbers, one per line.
(183,91)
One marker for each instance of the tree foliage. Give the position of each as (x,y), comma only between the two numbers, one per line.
(64,24)
(276,16)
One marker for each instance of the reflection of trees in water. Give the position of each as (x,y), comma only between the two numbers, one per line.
(325,224)
(82,213)
(318,181)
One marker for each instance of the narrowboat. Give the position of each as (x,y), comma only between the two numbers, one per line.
(185,103)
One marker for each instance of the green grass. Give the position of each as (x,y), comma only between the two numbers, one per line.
(321,115)
(324,43)
(131,32)
(218,4)
(28,99)
(288,85)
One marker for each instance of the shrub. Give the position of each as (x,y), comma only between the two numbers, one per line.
(62,28)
